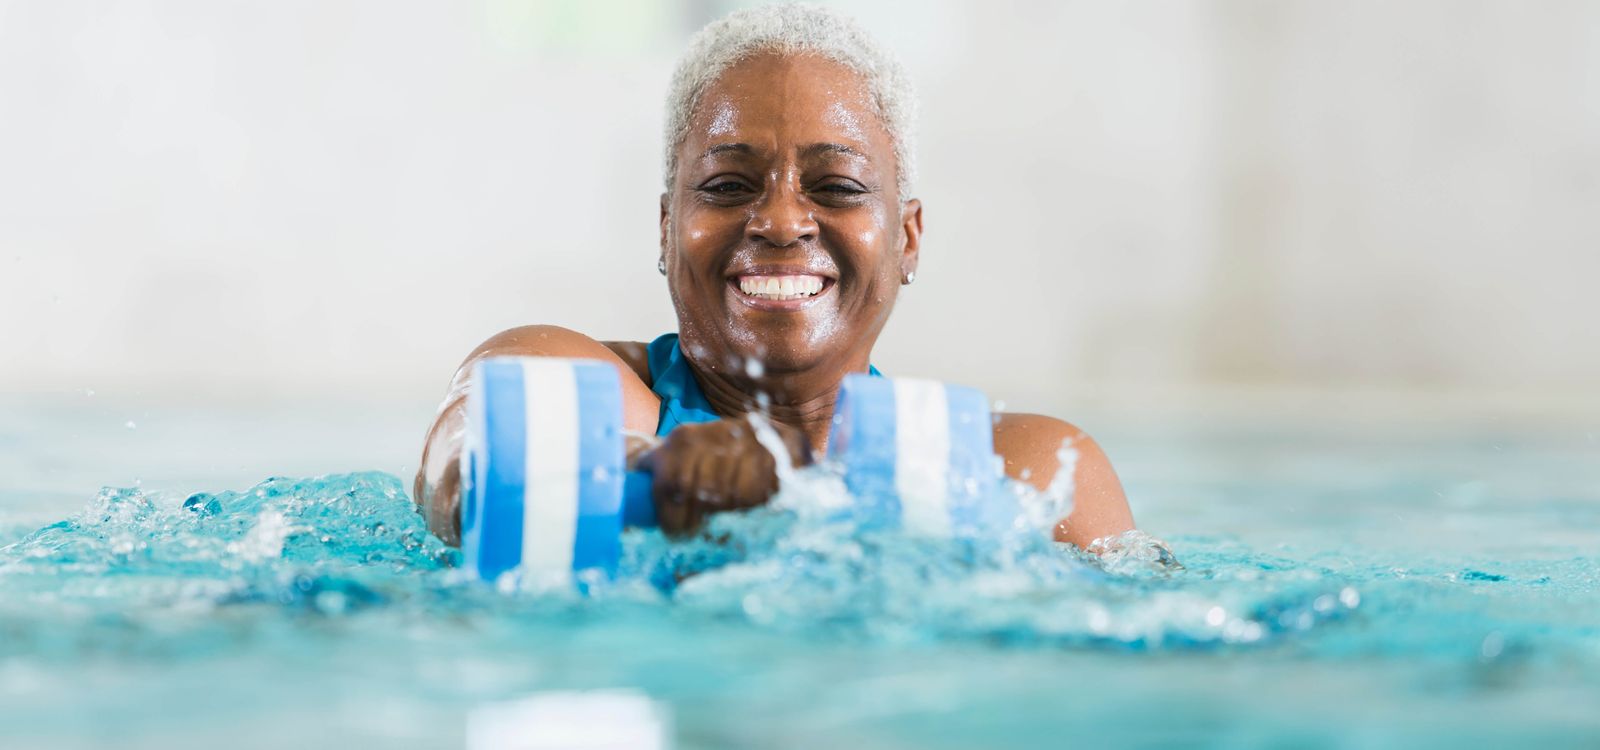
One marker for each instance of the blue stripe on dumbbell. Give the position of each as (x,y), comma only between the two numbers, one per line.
(597,540)
(863,442)
(502,463)
(972,468)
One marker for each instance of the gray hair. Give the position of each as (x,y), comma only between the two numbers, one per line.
(789,28)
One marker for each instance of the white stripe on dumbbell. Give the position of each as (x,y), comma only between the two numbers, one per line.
(550,486)
(922,455)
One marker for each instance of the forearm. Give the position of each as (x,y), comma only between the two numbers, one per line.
(438,482)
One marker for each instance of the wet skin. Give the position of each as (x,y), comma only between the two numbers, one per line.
(786,172)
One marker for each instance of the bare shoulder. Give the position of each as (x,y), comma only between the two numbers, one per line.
(1032,446)
(635,353)
(639,403)
(538,341)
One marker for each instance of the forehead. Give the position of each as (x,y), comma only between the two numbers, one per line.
(774,100)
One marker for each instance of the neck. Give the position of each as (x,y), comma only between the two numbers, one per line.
(802,400)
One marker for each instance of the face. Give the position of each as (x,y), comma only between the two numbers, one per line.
(783,233)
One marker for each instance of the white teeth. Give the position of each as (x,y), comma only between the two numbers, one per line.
(781,287)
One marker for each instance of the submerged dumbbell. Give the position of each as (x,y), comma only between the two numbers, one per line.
(545,487)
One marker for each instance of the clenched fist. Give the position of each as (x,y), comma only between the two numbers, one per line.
(716,466)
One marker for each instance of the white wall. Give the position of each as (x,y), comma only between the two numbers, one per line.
(324,197)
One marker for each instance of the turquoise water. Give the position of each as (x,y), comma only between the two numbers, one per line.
(1325,588)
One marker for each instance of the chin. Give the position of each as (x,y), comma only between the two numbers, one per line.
(781,351)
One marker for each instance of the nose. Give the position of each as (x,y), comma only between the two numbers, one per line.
(781,218)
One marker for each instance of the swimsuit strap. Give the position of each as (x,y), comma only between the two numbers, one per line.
(671,378)
(682,401)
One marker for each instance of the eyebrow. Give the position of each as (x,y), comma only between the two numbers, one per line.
(832,148)
(728,148)
(814,149)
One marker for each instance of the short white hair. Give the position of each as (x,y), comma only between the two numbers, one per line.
(789,28)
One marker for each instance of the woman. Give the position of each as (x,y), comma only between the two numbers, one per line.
(787,229)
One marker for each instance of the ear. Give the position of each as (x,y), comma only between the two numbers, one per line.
(664,197)
(911,230)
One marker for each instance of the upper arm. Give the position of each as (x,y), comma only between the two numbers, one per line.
(640,406)
(1029,443)
(635,353)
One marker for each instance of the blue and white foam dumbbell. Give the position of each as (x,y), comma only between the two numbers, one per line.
(920,451)
(543,480)
(545,488)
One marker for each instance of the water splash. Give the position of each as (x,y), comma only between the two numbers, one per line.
(807,563)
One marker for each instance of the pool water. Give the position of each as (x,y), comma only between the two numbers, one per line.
(1424,584)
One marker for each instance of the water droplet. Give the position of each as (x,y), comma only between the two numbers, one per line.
(202,504)
(331,602)
(1349,597)
(1493,645)
(1216,616)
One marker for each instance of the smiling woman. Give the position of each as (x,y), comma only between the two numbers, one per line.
(787,231)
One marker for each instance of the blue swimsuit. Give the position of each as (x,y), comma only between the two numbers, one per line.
(682,401)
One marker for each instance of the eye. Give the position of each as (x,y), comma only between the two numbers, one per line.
(839,191)
(725,188)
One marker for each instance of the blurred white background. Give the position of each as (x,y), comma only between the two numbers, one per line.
(306,199)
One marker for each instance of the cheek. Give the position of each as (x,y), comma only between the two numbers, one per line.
(701,233)
(874,254)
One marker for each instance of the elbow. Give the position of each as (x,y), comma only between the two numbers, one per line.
(1032,447)
(1099,504)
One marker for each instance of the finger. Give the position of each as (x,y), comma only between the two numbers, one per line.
(689,494)
(755,482)
(667,493)
(700,480)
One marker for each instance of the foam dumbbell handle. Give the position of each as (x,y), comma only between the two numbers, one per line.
(638,500)
(921,451)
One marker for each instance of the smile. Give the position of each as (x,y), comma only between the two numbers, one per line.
(781,287)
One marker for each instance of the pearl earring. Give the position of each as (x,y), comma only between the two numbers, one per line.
(911,277)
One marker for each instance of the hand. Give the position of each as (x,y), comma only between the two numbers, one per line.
(716,466)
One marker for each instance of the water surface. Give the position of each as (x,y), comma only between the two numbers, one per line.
(1339,587)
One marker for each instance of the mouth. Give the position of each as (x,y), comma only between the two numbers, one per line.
(779,290)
